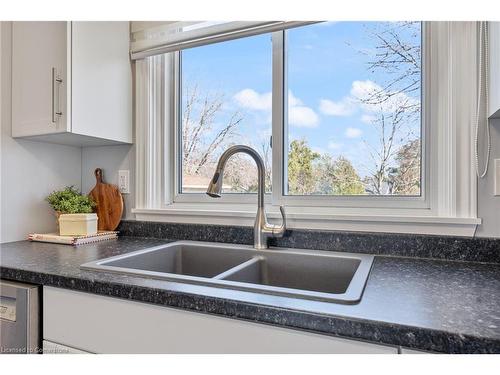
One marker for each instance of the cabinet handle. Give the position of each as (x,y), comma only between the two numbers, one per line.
(56,85)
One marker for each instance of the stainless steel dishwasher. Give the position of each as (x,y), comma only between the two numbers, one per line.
(19,318)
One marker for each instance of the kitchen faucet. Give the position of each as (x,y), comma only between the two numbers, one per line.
(262,229)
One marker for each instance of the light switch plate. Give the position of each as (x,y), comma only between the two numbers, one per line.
(497,177)
(124,181)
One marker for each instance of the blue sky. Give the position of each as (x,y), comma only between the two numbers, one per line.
(327,73)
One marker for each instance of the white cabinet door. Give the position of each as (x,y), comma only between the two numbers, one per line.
(72,82)
(50,347)
(101,80)
(38,49)
(494,65)
(109,325)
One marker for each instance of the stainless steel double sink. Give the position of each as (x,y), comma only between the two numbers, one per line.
(310,274)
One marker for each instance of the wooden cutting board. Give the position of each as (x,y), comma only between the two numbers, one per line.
(109,202)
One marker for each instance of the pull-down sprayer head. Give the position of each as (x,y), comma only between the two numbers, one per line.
(215,186)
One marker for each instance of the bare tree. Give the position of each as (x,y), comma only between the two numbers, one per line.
(242,171)
(199,145)
(391,136)
(397,55)
(204,139)
(266,153)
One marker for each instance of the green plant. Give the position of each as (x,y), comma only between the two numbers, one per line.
(70,201)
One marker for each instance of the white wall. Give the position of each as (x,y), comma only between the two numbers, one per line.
(110,159)
(489,205)
(29,170)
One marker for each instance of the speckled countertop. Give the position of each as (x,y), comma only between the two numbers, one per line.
(435,305)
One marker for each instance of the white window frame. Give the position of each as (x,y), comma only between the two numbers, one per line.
(448,181)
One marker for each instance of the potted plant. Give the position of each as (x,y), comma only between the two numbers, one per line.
(74,212)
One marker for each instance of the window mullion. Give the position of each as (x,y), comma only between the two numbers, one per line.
(171,103)
(278,116)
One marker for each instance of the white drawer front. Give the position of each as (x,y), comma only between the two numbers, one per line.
(109,325)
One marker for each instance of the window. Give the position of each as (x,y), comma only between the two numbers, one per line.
(354,109)
(220,107)
(353,124)
(359,122)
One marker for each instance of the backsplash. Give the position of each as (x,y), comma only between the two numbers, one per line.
(407,245)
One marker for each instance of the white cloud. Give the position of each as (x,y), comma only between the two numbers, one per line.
(364,90)
(293,100)
(368,119)
(251,99)
(353,132)
(334,145)
(302,117)
(299,115)
(360,92)
(344,107)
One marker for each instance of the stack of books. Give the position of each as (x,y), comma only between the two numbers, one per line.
(73,240)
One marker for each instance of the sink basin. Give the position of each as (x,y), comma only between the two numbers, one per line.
(296,271)
(310,274)
(177,258)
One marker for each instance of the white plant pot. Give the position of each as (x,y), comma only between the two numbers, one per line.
(77,224)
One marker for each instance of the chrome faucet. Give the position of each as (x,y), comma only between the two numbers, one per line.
(262,230)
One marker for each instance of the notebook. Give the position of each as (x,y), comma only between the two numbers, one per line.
(72,240)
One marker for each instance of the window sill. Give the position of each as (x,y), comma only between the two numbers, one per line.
(298,218)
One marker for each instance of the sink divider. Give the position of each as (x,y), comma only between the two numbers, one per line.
(238,268)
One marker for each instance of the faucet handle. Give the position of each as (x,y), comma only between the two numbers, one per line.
(279,230)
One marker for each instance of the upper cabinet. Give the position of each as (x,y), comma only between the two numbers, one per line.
(494,67)
(72,82)
(40,59)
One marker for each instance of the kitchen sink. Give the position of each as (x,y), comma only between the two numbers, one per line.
(309,274)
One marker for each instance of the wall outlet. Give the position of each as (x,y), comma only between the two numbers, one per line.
(124,181)
(497,177)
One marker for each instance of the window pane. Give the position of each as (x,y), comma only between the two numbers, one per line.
(354,97)
(226,100)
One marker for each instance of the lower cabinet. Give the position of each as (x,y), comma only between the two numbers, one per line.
(99,324)
(50,347)
(412,351)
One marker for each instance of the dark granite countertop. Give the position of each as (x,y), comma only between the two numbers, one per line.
(434,305)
